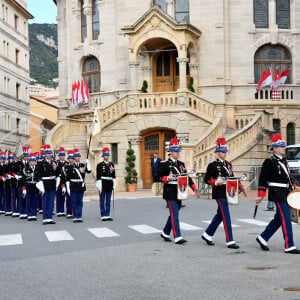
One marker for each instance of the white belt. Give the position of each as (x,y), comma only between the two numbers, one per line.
(76,180)
(108,178)
(283,185)
(47,178)
(172,182)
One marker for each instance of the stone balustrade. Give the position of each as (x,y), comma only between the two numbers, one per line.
(141,103)
(236,143)
(286,94)
(65,128)
(209,137)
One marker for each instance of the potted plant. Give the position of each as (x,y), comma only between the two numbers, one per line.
(145,87)
(131,178)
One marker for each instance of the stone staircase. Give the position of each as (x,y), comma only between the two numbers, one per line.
(80,142)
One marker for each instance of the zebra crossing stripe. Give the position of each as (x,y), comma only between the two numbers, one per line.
(102,232)
(185,226)
(58,236)
(232,225)
(145,229)
(11,239)
(254,222)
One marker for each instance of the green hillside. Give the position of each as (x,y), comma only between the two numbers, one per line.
(43,53)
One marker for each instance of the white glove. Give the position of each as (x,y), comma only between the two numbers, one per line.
(24,192)
(88,165)
(99,185)
(114,184)
(18,177)
(68,188)
(40,187)
(57,182)
(63,190)
(219,181)
(3,179)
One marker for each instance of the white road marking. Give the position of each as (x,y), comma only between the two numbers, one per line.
(145,229)
(59,235)
(186,226)
(11,239)
(254,222)
(102,232)
(232,225)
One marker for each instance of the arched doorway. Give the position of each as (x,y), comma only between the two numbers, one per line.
(153,141)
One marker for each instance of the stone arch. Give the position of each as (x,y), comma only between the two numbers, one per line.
(274,39)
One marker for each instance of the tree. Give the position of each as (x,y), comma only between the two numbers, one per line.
(131,172)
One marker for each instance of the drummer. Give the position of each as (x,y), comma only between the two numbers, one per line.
(167,174)
(216,171)
(275,175)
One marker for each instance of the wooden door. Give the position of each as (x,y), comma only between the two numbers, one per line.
(152,142)
(164,72)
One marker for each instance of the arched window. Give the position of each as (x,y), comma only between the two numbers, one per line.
(182,10)
(91,72)
(283,14)
(272,57)
(290,133)
(261,13)
(162,4)
(83,24)
(96,22)
(276,125)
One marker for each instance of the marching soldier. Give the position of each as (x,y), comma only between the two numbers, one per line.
(167,174)
(60,192)
(39,159)
(216,170)
(45,173)
(275,175)
(75,184)
(17,193)
(2,180)
(63,183)
(105,183)
(8,170)
(29,188)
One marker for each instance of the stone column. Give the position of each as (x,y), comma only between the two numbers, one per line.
(170,8)
(77,19)
(135,145)
(272,14)
(182,73)
(87,7)
(133,76)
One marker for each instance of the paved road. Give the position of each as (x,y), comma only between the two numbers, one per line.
(126,259)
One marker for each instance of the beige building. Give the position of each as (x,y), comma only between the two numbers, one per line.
(14,73)
(201,61)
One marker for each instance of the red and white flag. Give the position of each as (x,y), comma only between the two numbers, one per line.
(283,76)
(266,79)
(79,92)
(86,100)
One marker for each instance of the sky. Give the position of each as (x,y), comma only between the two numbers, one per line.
(44,11)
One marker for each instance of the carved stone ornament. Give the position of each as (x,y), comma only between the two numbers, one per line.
(155,22)
(181,99)
(132,102)
(135,140)
(132,118)
(183,137)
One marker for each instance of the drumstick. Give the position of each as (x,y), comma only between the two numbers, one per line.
(255,211)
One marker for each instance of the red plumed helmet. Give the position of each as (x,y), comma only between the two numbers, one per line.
(277,141)
(221,142)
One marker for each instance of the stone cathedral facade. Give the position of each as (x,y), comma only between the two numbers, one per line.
(200,62)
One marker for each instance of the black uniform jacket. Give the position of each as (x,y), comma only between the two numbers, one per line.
(44,171)
(214,170)
(17,169)
(77,184)
(2,175)
(29,180)
(106,170)
(63,173)
(8,170)
(275,170)
(167,167)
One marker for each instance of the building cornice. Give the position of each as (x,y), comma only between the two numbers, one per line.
(20,9)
